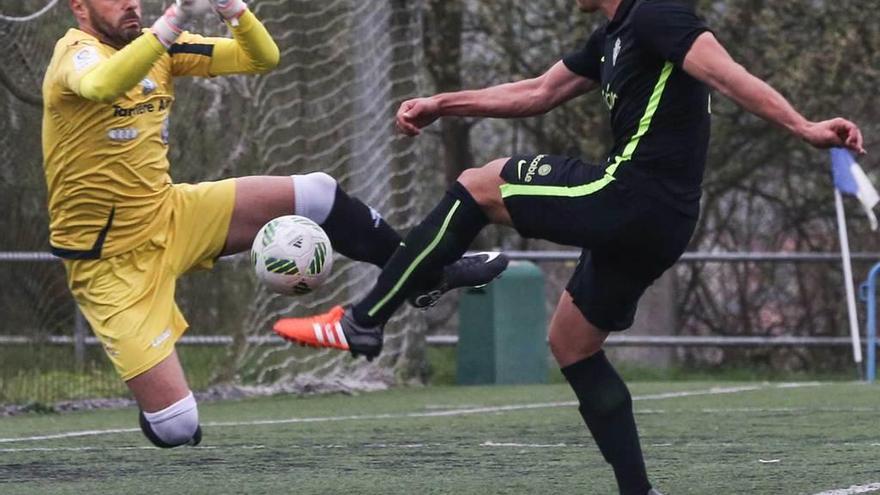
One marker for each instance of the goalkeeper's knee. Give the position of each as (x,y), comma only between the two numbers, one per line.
(176,425)
(314,196)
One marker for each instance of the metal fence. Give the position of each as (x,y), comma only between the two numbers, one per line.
(81,337)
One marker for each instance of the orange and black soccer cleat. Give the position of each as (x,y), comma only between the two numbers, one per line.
(335,329)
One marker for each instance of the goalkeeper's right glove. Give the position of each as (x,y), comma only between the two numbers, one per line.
(168,27)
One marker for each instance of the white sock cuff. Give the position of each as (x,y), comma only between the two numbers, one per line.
(314,195)
(182,406)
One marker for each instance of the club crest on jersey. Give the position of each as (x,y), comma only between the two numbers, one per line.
(148,85)
(617,48)
(86,57)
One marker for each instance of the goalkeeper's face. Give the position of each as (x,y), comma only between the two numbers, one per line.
(117,22)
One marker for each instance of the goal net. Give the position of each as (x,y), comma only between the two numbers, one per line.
(345,64)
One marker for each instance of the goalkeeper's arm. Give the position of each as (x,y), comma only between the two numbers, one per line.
(252,49)
(126,68)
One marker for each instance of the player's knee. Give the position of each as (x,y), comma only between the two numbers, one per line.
(557,347)
(176,425)
(320,182)
(314,195)
(474,179)
(482,183)
(567,349)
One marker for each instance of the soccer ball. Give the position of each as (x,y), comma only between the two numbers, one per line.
(292,255)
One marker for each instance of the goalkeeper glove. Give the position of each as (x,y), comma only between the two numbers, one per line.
(230,10)
(168,27)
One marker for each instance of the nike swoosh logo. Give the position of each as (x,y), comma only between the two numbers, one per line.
(490,255)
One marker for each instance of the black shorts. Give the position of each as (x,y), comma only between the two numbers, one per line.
(629,239)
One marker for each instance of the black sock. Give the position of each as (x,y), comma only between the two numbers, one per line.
(606,406)
(440,239)
(357,231)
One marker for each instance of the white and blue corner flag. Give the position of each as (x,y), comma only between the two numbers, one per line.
(849,178)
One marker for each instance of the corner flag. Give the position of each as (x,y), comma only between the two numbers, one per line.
(850,179)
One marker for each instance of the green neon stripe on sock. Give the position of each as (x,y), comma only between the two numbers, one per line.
(418,260)
(508,190)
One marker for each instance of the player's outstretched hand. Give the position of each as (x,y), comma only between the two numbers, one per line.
(229,10)
(415,114)
(190,9)
(834,133)
(169,26)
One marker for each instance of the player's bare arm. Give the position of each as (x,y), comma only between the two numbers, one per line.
(524,98)
(709,62)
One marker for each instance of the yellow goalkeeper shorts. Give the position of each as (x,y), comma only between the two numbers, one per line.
(129,299)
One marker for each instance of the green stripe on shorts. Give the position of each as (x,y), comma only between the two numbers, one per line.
(509,190)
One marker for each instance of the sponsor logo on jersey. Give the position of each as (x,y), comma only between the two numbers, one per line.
(617,47)
(610,97)
(122,134)
(166,124)
(148,85)
(140,108)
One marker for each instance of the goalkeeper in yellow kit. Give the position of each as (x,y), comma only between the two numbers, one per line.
(126,232)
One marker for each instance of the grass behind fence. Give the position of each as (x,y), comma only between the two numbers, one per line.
(47,374)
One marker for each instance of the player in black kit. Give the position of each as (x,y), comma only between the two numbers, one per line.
(654,62)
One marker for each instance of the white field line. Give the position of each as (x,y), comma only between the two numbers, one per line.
(763,410)
(490,443)
(873,487)
(140,447)
(420,446)
(429,414)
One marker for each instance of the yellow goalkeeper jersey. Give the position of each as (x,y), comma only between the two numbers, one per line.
(105,155)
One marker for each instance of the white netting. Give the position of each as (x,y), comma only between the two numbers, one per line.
(328,107)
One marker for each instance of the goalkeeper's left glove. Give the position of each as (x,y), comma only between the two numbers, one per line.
(230,10)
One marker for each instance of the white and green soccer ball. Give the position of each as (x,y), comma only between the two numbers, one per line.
(292,255)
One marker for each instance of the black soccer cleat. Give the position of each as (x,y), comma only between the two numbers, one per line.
(197,437)
(474,270)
